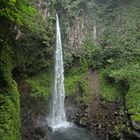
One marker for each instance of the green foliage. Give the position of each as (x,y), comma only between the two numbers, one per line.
(70,7)
(131,73)
(71,84)
(132,100)
(107,90)
(40,85)
(34,48)
(33,51)
(136,117)
(20,12)
(117,52)
(8,10)
(9,113)
(76,84)
(9,97)
(20,18)
(68,59)
(76,74)
(119,128)
(90,52)
(25,41)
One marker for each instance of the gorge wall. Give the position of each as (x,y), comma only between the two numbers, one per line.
(98,35)
(101,58)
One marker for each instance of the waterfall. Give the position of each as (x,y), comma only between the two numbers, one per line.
(57,116)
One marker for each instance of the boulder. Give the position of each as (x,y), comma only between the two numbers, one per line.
(82,122)
(136,125)
(136,135)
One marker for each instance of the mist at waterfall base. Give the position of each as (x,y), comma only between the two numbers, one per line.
(72,133)
(61,128)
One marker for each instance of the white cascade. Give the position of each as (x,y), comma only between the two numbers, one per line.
(57,118)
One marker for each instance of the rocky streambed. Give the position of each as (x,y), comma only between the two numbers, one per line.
(99,117)
(106,120)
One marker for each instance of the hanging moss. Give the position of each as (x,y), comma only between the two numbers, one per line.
(9,97)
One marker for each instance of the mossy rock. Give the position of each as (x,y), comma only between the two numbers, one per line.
(9,98)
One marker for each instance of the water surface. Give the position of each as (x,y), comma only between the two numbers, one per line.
(72,133)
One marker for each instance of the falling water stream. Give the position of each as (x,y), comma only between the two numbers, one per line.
(57,118)
(62,129)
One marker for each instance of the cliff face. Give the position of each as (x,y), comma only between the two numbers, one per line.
(109,24)
(91,20)
(78,23)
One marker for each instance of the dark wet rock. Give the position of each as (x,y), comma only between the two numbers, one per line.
(116,113)
(101,118)
(82,122)
(40,132)
(50,129)
(136,135)
(35,134)
(136,125)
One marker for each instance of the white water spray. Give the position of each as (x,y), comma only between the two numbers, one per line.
(57,116)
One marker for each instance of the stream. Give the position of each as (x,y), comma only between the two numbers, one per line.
(72,133)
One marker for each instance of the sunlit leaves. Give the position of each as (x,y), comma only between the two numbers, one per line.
(20,12)
(11,15)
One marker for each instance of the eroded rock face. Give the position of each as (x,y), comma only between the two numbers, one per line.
(44,7)
(76,33)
